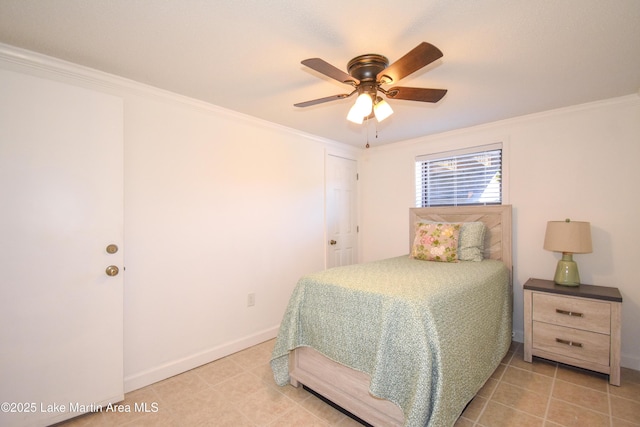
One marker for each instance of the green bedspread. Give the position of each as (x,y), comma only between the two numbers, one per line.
(428,333)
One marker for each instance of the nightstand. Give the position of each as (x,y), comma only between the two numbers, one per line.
(575,325)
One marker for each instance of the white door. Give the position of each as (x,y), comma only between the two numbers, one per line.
(342,225)
(61,192)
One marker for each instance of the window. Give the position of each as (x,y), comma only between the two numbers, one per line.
(463,177)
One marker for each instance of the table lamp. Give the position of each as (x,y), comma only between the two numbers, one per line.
(568,237)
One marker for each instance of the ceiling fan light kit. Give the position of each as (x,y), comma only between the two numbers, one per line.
(367,73)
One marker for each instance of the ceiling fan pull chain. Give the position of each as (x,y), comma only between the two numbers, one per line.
(367,131)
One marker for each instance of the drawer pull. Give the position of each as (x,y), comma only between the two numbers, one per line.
(569,343)
(569,313)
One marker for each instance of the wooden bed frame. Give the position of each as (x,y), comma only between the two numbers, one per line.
(349,388)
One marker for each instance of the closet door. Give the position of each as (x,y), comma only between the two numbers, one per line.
(341,211)
(61,293)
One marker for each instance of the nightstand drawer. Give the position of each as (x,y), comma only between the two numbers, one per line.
(588,315)
(575,343)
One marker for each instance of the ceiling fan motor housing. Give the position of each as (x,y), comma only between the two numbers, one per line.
(366,67)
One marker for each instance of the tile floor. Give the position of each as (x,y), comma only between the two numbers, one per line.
(239,391)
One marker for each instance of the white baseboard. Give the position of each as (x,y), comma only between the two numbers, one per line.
(176,367)
(518,336)
(179,366)
(631,362)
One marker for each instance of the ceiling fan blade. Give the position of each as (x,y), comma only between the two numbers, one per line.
(416,94)
(420,56)
(322,100)
(329,70)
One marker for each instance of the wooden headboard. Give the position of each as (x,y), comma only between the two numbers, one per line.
(497,243)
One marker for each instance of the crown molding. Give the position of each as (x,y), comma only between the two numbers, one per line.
(22,60)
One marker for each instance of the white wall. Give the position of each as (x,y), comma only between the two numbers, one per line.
(579,163)
(217,205)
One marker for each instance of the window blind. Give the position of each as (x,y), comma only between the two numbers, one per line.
(465,177)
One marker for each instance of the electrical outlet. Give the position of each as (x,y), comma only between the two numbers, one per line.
(251,299)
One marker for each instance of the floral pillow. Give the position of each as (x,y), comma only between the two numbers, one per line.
(470,239)
(436,242)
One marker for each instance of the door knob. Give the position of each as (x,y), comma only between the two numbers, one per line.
(332,242)
(112,270)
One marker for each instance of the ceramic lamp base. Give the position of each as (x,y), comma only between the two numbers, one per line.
(567,271)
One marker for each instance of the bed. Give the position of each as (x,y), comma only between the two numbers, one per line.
(403,341)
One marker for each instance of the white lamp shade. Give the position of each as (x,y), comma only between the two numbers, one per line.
(354,116)
(361,109)
(382,110)
(568,236)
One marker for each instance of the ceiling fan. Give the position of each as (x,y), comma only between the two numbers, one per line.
(367,73)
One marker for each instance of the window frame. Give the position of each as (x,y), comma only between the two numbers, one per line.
(419,198)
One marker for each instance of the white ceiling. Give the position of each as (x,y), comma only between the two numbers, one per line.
(502,58)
